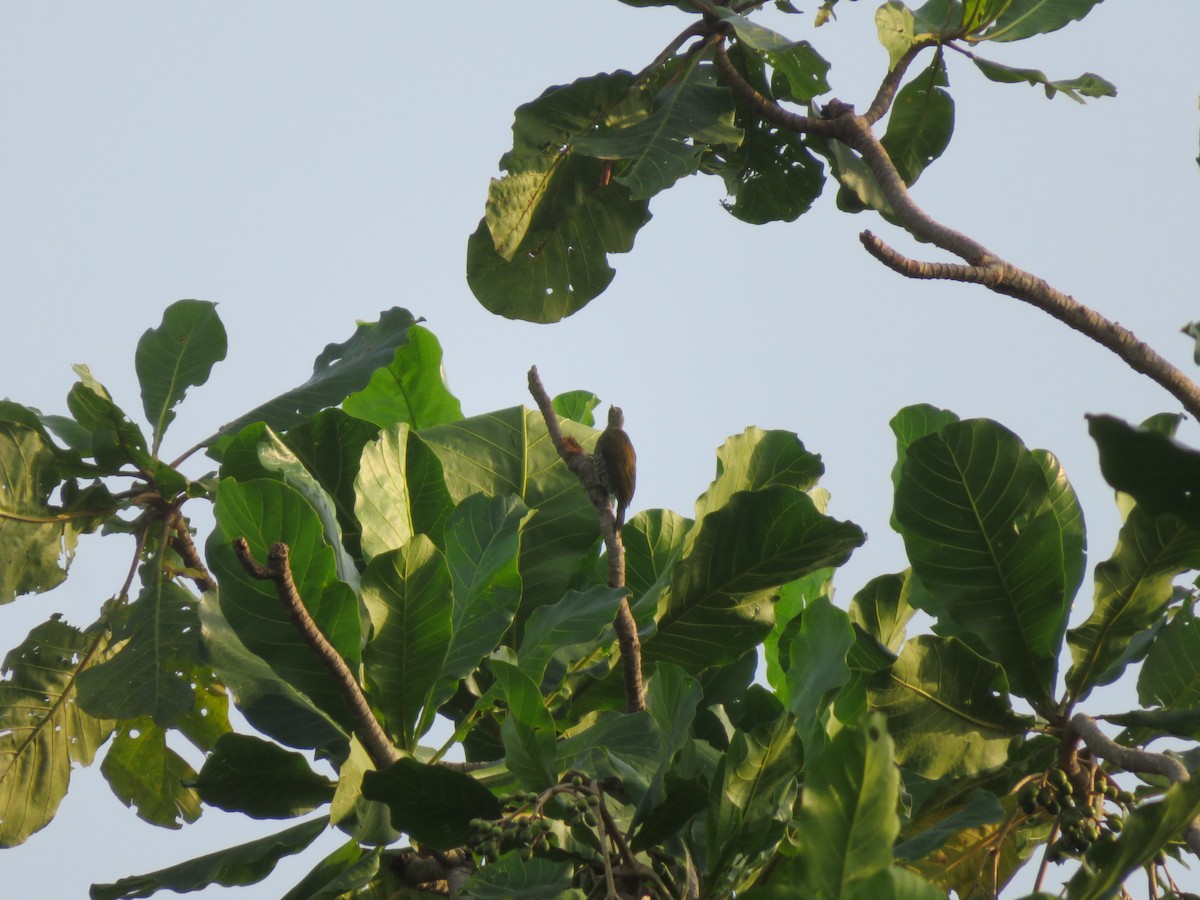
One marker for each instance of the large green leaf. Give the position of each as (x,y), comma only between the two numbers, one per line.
(921,122)
(330,445)
(947,708)
(432,804)
(42,729)
(1170,677)
(1086,85)
(565,631)
(751,801)
(543,131)
(540,252)
(1026,18)
(408,595)
(411,389)
(257,452)
(799,70)
(756,459)
(690,113)
(150,674)
(266,511)
(911,424)
(509,452)
(249,775)
(847,821)
(381,493)
(241,865)
(1162,475)
(985,538)
(981,808)
(718,605)
(483,540)
(268,701)
(654,540)
(1133,590)
(149,776)
(672,697)
(340,370)
(532,879)
(116,441)
(343,871)
(175,356)
(528,730)
(37,540)
(882,610)
(817,668)
(894,24)
(771,176)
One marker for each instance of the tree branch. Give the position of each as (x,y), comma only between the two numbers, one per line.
(580,462)
(182,543)
(279,571)
(839,122)
(1133,760)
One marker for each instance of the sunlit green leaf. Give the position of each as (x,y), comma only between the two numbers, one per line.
(339,370)
(42,729)
(37,540)
(408,595)
(411,389)
(150,777)
(175,356)
(692,111)
(986,541)
(150,674)
(527,730)
(948,709)
(847,819)
(266,511)
(921,122)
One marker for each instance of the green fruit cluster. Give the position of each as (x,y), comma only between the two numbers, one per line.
(1082,818)
(517,829)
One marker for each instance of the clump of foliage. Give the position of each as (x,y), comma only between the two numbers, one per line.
(380,560)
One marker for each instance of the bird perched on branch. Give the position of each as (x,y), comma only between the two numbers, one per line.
(616,463)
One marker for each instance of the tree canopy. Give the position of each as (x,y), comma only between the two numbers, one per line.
(379,559)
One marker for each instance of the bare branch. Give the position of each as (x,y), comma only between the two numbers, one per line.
(891,82)
(1004,278)
(580,462)
(279,571)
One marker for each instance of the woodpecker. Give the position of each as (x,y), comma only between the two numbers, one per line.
(616,463)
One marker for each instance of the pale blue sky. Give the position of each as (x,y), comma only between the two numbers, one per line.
(309,164)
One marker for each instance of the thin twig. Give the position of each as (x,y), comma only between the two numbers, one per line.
(279,571)
(1133,760)
(580,462)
